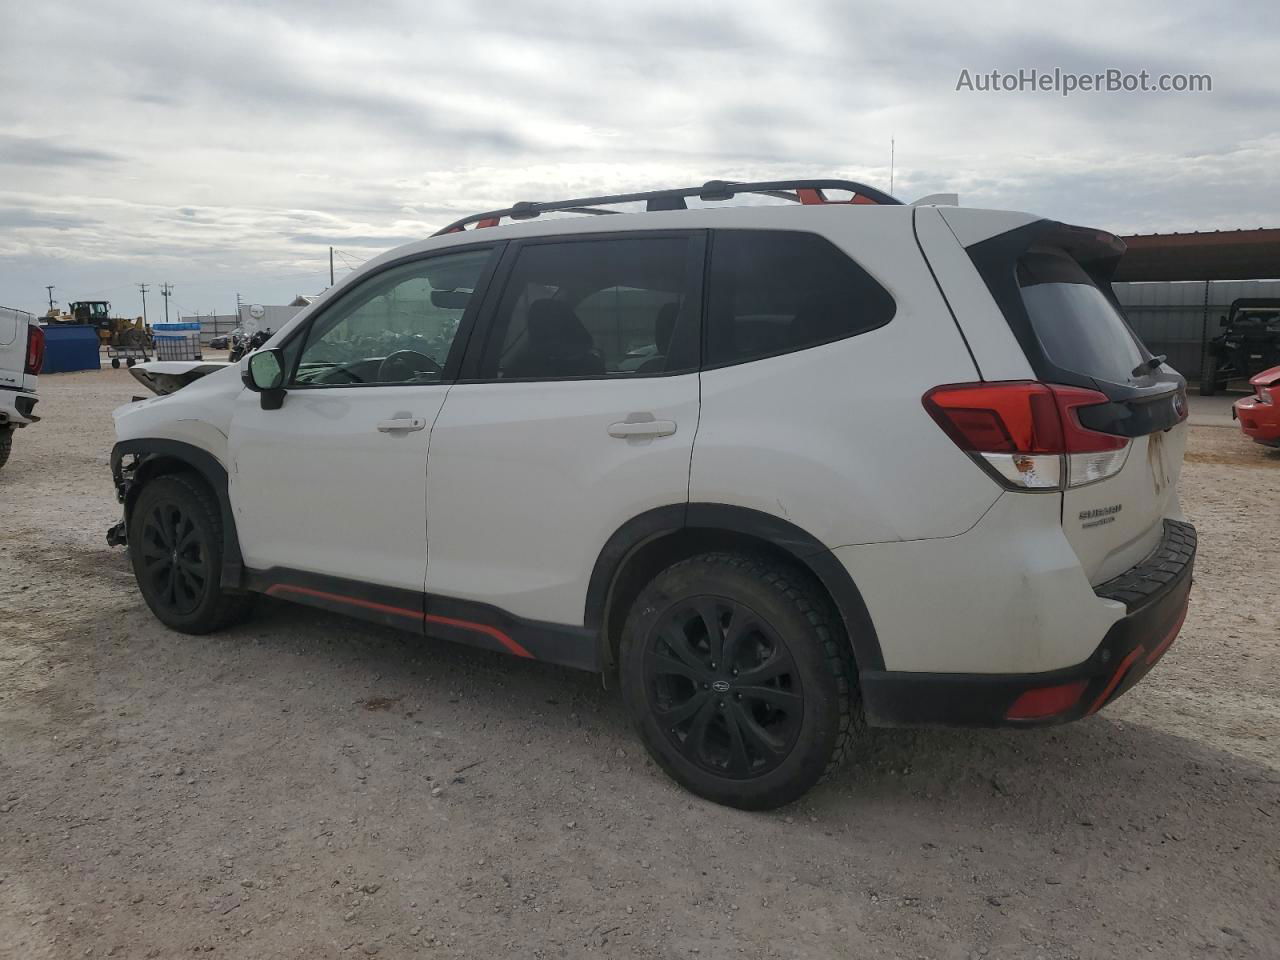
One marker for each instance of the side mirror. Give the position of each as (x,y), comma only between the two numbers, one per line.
(263,373)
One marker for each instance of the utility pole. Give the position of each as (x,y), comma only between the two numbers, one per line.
(891,166)
(237,309)
(330,267)
(50,286)
(166,289)
(143,288)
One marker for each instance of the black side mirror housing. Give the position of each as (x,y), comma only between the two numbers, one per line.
(263,373)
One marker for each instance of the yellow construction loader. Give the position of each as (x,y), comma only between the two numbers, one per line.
(115,332)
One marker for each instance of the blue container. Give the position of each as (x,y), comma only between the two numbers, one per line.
(70,347)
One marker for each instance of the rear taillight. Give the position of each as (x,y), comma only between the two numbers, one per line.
(1026,434)
(35,350)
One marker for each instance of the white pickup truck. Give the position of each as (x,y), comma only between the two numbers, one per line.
(21,356)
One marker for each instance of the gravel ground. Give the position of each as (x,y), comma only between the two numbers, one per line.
(308,786)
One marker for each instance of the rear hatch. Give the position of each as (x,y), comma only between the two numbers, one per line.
(1053,284)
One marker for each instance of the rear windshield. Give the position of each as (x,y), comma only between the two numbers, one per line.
(1077,325)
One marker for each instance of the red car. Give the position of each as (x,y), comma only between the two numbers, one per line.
(1259,415)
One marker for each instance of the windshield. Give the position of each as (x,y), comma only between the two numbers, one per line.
(1079,328)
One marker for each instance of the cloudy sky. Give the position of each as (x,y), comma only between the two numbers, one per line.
(224,147)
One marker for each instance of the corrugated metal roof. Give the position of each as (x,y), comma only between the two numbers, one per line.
(1216,255)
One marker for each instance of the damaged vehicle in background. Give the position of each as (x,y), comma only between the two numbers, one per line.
(1259,413)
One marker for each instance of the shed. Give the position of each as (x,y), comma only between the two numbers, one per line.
(1220,255)
(1174,286)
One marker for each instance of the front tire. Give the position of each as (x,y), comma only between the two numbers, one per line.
(175,547)
(6,444)
(738,679)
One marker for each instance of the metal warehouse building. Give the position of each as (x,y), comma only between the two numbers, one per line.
(1175,286)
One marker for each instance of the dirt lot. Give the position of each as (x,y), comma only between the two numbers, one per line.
(308,786)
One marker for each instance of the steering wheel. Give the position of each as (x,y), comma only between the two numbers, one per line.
(404,363)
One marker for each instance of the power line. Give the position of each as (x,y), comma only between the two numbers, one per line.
(347,260)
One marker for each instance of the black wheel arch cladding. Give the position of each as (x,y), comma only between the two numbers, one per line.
(158,457)
(805,550)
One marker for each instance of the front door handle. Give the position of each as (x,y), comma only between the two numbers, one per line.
(407,424)
(631,429)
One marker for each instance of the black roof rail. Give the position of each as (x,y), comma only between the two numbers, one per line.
(797,191)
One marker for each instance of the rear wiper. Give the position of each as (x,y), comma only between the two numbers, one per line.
(1146,366)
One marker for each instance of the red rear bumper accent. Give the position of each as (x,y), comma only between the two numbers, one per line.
(1046,701)
(1127,665)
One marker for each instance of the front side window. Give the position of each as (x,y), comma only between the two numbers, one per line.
(595,308)
(396,327)
(775,291)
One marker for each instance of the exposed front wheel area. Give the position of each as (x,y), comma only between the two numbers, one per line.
(175,558)
(738,678)
(175,547)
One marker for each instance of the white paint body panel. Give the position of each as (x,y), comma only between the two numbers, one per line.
(316,485)
(975,225)
(199,414)
(995,349)
(1145,491)
(1007,596)
(835,438)
(525,485)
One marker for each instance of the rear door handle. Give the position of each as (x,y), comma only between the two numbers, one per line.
(407,424)
(628,429)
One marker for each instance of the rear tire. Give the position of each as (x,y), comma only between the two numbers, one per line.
(1209,378)
(738,679)
(6,444)
(175,547)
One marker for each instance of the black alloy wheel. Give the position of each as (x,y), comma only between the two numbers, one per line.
(724,686)
(739,678)
(175,559)
(175,538)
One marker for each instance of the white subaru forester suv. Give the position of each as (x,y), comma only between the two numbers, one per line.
(782,468)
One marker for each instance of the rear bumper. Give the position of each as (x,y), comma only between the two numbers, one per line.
(16,407)
(1155,595)
(1259,421)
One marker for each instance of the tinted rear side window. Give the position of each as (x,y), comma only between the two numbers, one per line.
(1078,327)
(776,291)
(597,308)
